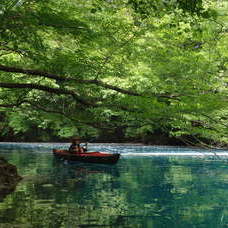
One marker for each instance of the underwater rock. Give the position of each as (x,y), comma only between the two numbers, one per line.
(8,178)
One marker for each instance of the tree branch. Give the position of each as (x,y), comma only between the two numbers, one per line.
(80,81)
(11,105)
(44,109)
(60,78)
(32,72)
(47,89)
(58,91)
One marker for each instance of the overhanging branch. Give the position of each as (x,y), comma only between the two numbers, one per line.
(59,91)
(47,89)
(80,81)
(32,72)
(61,78)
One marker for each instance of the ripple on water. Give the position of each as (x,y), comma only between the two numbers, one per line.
(124,149)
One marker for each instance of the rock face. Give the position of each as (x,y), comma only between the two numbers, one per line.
(8,178)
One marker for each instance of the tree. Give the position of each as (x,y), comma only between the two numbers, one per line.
(103,64)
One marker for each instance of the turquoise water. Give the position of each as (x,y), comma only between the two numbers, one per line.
(149,187)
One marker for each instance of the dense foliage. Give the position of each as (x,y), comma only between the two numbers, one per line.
(81,67)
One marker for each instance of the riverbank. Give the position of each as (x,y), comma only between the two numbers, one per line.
(155,139)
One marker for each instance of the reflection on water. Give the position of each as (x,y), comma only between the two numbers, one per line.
(161,191)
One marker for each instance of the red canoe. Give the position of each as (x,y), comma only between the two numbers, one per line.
(91,157)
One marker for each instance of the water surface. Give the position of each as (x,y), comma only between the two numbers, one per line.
(149,187)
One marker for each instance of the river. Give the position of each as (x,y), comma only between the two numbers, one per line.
(150,186)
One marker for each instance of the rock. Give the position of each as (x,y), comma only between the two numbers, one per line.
(8,178)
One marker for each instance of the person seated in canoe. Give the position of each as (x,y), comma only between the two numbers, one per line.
(75,147)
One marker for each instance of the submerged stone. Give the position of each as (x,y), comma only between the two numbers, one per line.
(8,178)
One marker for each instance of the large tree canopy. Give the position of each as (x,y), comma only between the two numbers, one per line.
(77,66)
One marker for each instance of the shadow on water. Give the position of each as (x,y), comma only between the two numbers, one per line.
(138,191)
(76,169)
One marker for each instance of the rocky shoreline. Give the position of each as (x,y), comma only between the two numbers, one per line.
(9,178)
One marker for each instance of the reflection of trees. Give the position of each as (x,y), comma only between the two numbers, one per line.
(200,192)
(144,192)
(147,191)
(86,194)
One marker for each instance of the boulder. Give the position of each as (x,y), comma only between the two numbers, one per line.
(8,178)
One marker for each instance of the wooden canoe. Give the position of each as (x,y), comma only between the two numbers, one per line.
(90,157)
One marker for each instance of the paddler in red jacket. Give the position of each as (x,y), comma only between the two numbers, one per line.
(75,147)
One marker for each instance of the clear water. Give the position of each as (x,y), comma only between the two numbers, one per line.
(149,187)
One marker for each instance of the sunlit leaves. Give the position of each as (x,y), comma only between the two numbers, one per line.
(171,55)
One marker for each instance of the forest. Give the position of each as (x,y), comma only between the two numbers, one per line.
(114,70)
